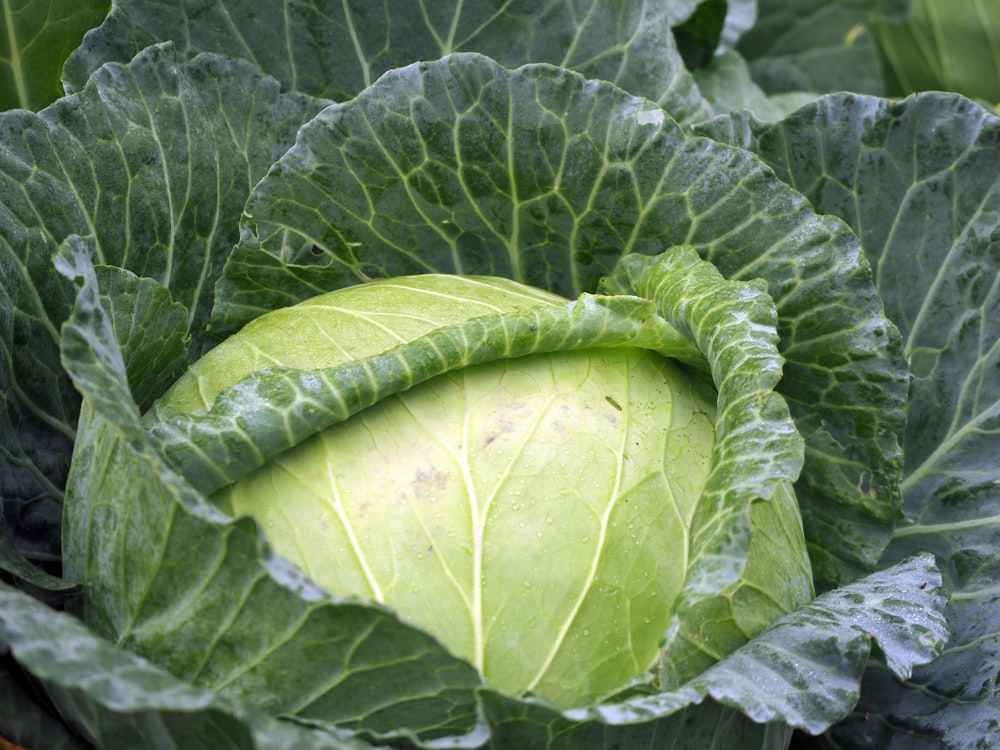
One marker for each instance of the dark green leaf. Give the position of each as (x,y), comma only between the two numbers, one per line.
(12,561)
(703,726)
(334,49)
(153,161)
(920,180)
(114,699)
(172,578)
(24,720)
(712,28)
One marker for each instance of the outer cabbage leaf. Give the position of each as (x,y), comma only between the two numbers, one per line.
(274,409)
(168,574)
(919,181)
(953,47)
(543,176)
(111,698)
(153,160)
(26,721)
(334,49)
(37,38)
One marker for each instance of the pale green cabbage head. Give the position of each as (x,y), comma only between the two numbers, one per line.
(534,513)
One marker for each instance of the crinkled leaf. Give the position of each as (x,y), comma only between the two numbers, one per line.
(138,312)
(545,177)
(37,38)
(920,180)
(702,726)
(734,325)
(817,45)
(171,577)
(270,411)
(153,160)
(112,698)
(735,330)
(804,671)
(334,49)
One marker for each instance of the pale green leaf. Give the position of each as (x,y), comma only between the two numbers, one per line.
(952,46)
(727,85)
(733,326)
(801,672)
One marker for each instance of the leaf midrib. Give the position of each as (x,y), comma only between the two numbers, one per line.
(15,56)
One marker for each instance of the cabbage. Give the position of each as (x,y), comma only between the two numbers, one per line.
(533,513)
(248,158)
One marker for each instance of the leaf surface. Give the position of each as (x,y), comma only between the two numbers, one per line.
(953,47)
(111,698)
(153,160)
(335,49)
(732,324)
(210,598)
(817,45)
(172,577)
(36,38)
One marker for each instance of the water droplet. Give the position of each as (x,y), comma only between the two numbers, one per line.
(549,519)
(527,584)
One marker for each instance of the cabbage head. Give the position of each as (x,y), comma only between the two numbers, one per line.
(548,513)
